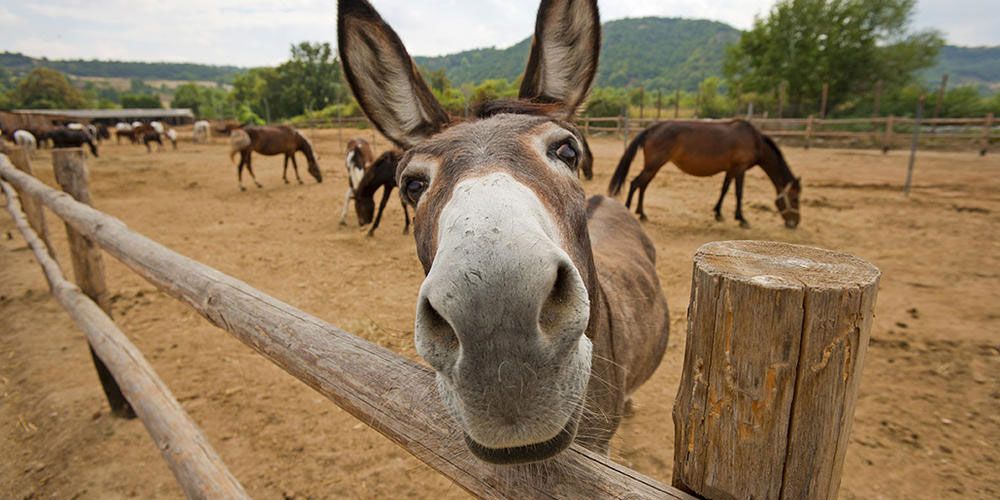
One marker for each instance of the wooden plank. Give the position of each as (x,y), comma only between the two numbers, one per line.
(392,394)
(88,264)
(767,395)
(197,467)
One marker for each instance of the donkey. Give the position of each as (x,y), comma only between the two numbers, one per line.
(270,141)
(359,158)
(541,311)
(381,174)
(704,149)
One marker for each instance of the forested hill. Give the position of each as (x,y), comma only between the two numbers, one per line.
(20,64)
(968,65)
(653,51)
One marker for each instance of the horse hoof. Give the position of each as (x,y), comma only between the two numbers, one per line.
(343,223)
(259,186)
(406,231)
(643,218)
(744,224)
(286,181)
(300,182)
(242,188)
(719,218)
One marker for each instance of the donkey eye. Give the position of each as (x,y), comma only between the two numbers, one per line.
(566,152)
(413,189)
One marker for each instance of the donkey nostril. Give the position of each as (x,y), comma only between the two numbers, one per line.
(436,338)
(559,313)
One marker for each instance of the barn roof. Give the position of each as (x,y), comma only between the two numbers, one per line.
(109,114)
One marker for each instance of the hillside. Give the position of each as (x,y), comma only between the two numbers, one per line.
(652,51)
(20,64)
(967,65)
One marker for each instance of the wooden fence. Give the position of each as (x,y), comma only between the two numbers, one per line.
(724,416)
(886,133)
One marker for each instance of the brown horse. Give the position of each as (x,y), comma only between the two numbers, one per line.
(271,141)
(704,149)
(359,158)
(541,311)
(380,175)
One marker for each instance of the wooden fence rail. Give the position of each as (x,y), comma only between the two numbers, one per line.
(197,467)
(392,394)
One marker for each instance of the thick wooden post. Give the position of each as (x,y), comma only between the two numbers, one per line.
(887,135)
(809,131)
(776,342)
(823,101)
(987,129)
(32,208)
(88,264)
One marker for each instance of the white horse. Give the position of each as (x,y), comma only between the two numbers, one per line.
(172,135)
(123,126)
(136,124)
(75,126)
(157,126)
(201,131)
(26,140)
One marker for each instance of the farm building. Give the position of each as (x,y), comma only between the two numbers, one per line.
(181,116)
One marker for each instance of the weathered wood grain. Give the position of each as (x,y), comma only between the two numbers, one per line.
(776,340)
(36,215)
(197,467)
(88,264)
(392,394)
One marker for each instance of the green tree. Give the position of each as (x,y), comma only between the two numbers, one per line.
(45,88)
(204,102)
(141,101)
(710,103)
(850,44)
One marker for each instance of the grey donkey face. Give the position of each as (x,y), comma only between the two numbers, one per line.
(500,226)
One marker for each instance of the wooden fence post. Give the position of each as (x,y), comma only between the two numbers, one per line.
(776,342)
(88,263)
(887,135)
(809,131)
(939,100)
(33,210)
(987,129)
(822,105)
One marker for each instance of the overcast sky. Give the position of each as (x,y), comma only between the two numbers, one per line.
(259,32)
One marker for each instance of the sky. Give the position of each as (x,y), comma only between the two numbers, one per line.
(260,32)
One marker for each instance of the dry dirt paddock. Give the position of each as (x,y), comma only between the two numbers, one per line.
(928,417)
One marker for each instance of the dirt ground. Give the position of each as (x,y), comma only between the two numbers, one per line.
(928,417)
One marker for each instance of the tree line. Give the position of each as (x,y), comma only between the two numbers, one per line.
(862,51)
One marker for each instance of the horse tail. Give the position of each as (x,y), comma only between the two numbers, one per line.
(238,141)
(618,179)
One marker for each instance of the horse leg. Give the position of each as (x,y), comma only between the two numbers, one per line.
(250,169)
(239,171)
(295,167)
(725,189)
(406,217)
(284,172)
(347,202)
(641,182)
(739,200)
(386,191)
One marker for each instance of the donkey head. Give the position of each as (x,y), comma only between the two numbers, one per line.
(500,227)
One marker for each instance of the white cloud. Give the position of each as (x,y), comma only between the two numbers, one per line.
(258,32)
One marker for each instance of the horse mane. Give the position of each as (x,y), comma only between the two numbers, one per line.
(784,169)
(308,148)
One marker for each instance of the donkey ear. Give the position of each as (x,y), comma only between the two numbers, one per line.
(384,78)
(564,53)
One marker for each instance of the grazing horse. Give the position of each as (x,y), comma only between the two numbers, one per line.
(541,311)
(150,137)
(128,133)
(103,133)
(359,158)
(381,174)
(704,149)
(200,132)
(68,138)
(26,140)
(172,136)
(270,141)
